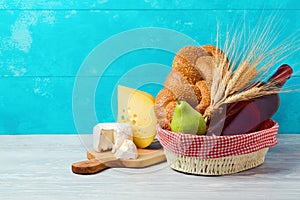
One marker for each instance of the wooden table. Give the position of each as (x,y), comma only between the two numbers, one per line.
(38,167)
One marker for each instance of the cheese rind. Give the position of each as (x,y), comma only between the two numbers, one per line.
(109,136)
(123,132)
(127,150)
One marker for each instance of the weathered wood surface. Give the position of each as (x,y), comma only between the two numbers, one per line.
(43,45)
(148,4)
(38,167)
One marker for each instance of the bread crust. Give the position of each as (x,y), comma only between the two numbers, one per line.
(189,80)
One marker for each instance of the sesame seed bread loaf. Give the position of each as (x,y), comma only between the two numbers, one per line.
(190,80)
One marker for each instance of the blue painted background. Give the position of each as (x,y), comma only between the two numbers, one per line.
(44,43)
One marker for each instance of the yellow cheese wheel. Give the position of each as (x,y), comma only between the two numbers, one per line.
(137,108)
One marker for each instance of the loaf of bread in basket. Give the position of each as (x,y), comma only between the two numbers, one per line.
(189,80)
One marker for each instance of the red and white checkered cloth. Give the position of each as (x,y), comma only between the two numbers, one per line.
(218,146)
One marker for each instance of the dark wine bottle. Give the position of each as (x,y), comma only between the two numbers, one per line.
(247,116)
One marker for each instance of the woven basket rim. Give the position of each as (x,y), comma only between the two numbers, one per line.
(218,146)
(274,124)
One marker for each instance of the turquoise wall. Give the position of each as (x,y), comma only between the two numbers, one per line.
(44,46)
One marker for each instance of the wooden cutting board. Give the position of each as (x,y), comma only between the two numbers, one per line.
(97,162)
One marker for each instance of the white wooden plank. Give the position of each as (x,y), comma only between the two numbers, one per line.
(38,167)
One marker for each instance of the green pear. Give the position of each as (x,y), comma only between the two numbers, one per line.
(201,125)
(187,120)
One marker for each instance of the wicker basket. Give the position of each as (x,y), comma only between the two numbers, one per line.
(217,155)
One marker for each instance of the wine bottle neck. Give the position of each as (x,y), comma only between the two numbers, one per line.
(283,73)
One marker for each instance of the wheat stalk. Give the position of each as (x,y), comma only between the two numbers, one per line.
(245,79)
(249,66)
(237,78)
(251,93)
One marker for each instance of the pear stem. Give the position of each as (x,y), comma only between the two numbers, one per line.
(177,101)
